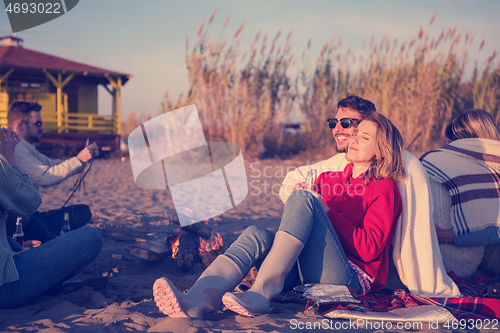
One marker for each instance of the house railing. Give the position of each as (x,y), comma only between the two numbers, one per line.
(75,121)
(90,122)
(3,119)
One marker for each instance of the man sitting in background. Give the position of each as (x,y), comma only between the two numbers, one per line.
(25,119)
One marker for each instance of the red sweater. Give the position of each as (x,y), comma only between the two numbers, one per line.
(364,218)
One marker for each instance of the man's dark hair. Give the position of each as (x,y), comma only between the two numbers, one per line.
(356,103)
(20,111)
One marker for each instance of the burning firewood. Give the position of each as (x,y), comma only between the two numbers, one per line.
(193,243)
(200,229)
(188,251)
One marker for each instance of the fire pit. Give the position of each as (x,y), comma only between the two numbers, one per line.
(195,243)
(187,245)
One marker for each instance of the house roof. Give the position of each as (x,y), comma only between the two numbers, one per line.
(19,57)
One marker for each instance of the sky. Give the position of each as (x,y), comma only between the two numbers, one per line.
(147,38)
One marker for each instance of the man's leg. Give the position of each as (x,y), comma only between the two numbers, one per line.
(42,267)
(323,259)
(34,228)
(79,215)
(305,234)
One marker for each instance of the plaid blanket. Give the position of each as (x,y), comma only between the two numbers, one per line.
(470,170)
(472,306)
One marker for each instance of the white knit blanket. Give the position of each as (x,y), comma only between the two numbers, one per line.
(470,170)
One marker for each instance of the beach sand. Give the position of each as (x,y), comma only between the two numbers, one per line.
(127,215)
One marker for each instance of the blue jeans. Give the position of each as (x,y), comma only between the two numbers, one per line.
(53,262)
(321,261)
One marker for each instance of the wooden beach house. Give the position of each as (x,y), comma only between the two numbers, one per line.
(67,91)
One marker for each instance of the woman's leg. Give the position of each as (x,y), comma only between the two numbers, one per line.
(305,234)
(251,248)
(223,275)
(42,267)
(323,259)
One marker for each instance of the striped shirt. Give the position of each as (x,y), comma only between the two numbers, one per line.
(18,197)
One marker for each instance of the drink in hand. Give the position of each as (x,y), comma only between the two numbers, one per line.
(19,234)
(65,227)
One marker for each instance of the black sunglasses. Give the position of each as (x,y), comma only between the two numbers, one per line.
(344,122)
(36,124)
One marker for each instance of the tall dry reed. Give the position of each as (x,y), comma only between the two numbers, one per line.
(241,96)
(420,84)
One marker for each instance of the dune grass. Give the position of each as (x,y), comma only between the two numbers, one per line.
(245,96)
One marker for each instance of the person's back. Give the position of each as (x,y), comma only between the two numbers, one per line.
(464,185)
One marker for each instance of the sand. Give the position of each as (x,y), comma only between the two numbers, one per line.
(127,215)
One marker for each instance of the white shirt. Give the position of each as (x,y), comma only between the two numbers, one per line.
(44,171)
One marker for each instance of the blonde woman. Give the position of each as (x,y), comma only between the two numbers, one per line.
(464,185)
(339,234)
(473,124)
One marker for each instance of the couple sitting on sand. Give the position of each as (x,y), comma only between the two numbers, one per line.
(26,274)
(341,230)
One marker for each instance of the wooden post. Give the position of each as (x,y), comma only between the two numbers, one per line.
(117,104)
(4,100)
(59,84)
(59,104)
(5,76)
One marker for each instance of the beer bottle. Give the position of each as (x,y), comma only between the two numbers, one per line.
(65,227)
(19,234)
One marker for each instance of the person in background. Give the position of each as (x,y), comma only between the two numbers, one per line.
(464,178)
(339,232)
(25,119)
(24,275)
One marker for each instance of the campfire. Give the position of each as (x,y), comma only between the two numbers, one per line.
(195,243)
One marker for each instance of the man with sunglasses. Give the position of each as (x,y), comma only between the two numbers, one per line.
(415,233)
(25,119)
(350,111)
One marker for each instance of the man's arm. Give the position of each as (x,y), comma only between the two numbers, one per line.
(44,171)
(335,163)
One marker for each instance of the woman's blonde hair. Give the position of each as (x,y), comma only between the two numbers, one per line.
(389,162)
(475,123)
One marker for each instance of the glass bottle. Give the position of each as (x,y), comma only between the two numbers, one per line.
(311,179)
(19,234)
(65,227)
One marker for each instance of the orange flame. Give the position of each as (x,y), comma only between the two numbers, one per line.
(214,243)
(174,243)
